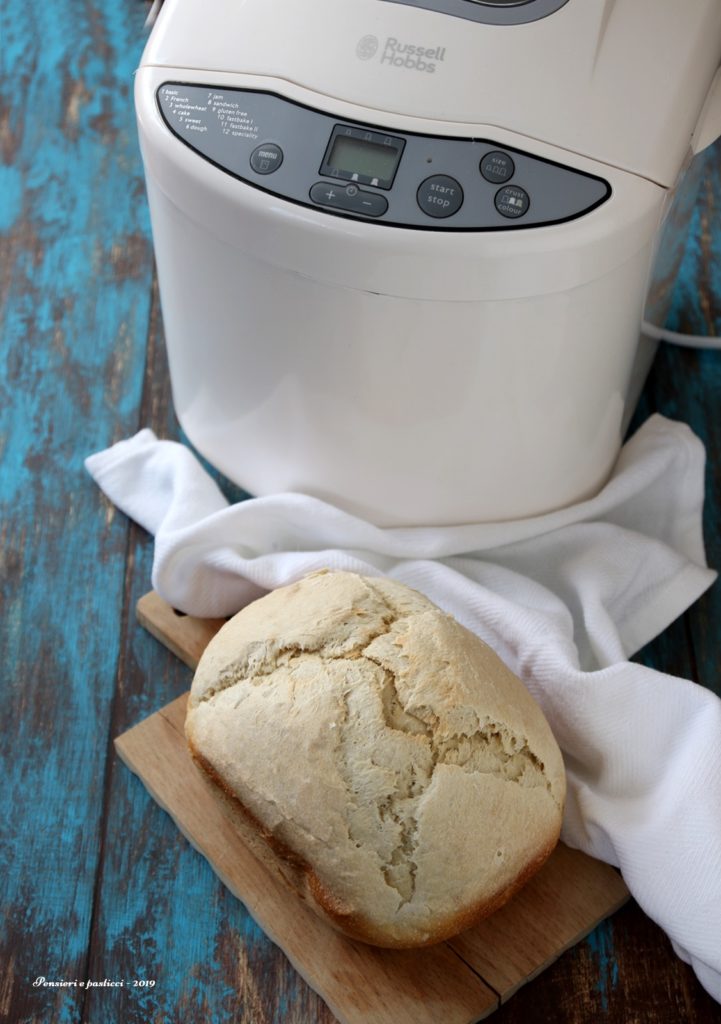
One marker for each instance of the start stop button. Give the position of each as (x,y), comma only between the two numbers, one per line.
(440,196)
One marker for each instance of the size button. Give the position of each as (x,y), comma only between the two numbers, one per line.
(512,201)
(266,158)
(497,167)
(440,196)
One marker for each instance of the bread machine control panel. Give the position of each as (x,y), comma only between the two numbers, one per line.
(490,12)
(371,173)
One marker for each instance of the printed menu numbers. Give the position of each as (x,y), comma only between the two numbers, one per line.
(187,112)
(193,109)
(232,119)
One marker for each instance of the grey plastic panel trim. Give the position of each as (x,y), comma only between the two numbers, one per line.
(225,126)
(519,13)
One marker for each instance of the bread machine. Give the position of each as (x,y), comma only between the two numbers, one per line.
(404,246)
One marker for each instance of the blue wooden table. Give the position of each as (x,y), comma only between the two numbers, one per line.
(96,882)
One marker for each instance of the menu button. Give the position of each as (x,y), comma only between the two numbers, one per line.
(266,158)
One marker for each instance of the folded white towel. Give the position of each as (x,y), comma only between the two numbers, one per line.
(565,599)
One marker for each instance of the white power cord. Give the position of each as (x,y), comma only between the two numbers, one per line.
(675,338)
(153,13)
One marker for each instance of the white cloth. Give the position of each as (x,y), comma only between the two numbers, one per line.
(565,599)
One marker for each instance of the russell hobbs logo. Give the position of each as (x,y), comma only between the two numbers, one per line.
(367,47)
(401,55)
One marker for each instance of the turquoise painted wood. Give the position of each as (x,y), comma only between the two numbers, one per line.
(160,909)
(96,882)
(686,384)
(76,258)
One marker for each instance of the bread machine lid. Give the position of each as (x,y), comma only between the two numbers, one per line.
(491,12)
(619,81)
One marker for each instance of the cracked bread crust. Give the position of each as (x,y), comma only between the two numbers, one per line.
(377,756)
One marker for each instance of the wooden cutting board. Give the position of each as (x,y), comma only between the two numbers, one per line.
(456,982)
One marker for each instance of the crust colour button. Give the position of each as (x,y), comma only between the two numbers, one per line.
(440,196)
(512,201)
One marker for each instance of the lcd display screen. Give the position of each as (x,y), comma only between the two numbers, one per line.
(355,156)
(369,157)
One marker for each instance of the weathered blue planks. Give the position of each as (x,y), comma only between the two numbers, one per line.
(161,912)
(74,319)
(685,384)
(96,881)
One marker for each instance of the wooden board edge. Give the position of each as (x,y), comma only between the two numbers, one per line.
(124,750)
(174,713)
(124,745)
(578,937)
(184,635)
(146,612)
(592,890)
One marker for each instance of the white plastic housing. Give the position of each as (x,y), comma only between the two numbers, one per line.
(619,81)
(407,376)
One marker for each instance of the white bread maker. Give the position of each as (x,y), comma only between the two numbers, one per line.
(404,246)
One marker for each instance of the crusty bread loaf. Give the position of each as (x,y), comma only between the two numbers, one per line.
(377,756)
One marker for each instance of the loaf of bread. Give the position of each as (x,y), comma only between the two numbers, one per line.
(377,756)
